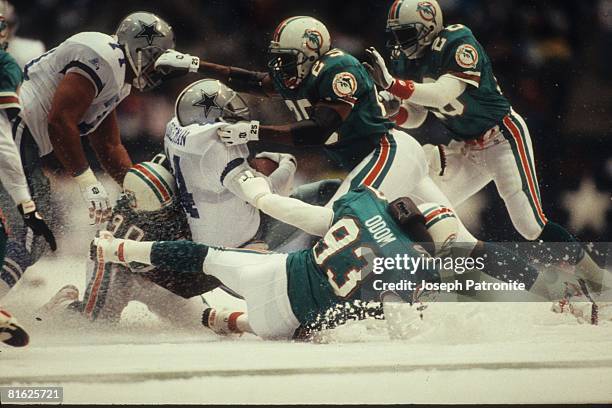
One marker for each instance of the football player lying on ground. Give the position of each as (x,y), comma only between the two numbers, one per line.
(446,71)
(286,291)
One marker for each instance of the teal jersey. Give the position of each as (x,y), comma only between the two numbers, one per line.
(339,267)
(338,76)
(10,80)
(456,52)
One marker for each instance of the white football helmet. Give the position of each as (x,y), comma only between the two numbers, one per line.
(441,223)
(149,185)
(412,25)
(296,44)
(209,101)
(144,37)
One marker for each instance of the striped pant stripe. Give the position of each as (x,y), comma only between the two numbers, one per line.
(524,162)
(373,174)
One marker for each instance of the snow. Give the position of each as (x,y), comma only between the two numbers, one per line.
(460,353)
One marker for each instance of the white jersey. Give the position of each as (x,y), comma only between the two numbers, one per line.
(203,167)
(97,57)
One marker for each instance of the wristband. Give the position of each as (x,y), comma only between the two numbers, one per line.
(402,89)
(194,63)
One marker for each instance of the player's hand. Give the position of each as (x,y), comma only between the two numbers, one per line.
(95,196)
(106,248)
(239,133)
(378,69)
(280,158)
(252,188)
(391,103)
(172,61)
(34,221)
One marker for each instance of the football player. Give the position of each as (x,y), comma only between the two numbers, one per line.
(71,91)
(148,210)
(286,291)
(446,71)
(14,182)
(203,166)
(336,106)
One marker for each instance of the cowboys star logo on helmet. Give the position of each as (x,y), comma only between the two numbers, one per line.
(207,102)
(148,31)
(427,11)
(466,56)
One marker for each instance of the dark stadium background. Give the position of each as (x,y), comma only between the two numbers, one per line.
(552,58)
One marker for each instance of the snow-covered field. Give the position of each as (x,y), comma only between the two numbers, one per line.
(461,353)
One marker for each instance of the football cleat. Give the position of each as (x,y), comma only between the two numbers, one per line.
(61,301)
(11,332)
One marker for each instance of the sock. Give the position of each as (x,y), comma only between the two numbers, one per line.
(572,252)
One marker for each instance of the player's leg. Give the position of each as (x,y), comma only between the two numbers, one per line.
(22,248)
(455,170)
(393,168)
(260,277)
(513,169)
(11,332)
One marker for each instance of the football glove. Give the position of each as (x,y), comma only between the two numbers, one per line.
(252,188)
(391,103)
(34,221)
(95,195)
(173,61)
(378,69)
(239,133)
(107,248)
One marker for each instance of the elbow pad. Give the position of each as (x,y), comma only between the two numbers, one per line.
(242,80)
(316,130)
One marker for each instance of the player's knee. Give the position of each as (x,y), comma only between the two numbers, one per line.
(529,230)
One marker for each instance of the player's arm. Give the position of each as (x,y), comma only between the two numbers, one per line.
(326,118)
(437,94)
(309,218)
(72,98)
(239,79)
(106,143)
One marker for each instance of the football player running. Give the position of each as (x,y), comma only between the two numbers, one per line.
(446,71)
(14,183)
(336,106)
(71,91)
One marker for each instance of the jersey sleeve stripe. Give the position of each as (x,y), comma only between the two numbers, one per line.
(229,167)
(9,100)
(465,77)
(87,72)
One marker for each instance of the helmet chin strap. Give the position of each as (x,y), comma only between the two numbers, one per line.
(139,82)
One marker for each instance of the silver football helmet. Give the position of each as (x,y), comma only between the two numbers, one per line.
(145,37)
(209,101)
